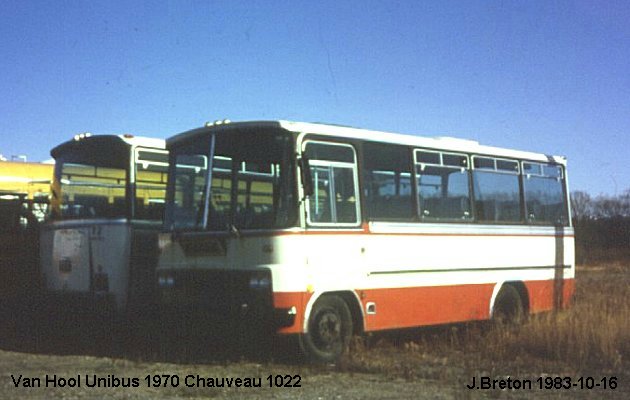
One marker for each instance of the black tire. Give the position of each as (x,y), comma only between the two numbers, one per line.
(508,306)
(329,330)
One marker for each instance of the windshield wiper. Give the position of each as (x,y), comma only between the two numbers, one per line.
(208,189)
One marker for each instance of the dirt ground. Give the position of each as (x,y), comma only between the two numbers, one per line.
(314,383)
(330,382)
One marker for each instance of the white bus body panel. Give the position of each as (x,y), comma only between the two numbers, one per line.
(72,253)
(398,267)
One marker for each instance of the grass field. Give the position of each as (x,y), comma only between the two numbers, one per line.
(590,340)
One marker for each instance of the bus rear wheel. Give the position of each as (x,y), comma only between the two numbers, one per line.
(508,306)
(329,330)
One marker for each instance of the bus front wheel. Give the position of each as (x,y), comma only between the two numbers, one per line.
(329,330)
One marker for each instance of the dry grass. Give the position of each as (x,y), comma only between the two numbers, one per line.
(592,336)
(597,256)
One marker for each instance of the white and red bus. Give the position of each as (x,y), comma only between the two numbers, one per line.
(99,246)
(326,231)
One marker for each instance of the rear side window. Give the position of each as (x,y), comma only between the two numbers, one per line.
(543,185)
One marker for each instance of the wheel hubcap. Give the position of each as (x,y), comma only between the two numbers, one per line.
(329,329)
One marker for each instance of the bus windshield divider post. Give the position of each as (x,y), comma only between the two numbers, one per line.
(305,174)
(208,188)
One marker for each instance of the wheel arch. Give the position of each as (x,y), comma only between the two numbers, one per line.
(351,299)
(520,288)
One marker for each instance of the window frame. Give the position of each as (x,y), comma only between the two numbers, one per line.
(330,165)
(364,171)
(518,172)
(561,179)
(495,159)
(467,169)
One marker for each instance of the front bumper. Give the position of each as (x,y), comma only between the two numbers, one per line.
(221,302)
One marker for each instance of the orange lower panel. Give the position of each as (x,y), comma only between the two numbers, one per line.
(407,307)
(547,295)
(433,305)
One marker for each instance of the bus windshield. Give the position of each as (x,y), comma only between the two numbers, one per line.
(93,180)
(91,189)
(252,182)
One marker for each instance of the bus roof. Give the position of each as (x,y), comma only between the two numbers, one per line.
(436,142)
(130,140)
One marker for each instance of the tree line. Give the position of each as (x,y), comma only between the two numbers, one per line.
(602,227)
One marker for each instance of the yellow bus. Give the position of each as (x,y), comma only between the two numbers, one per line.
(30,181)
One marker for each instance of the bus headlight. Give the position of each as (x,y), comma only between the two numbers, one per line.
(165,281)
(259,282)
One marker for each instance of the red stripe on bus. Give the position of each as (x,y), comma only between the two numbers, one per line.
(433,305)
(369,232)
(430,305)
(545,295)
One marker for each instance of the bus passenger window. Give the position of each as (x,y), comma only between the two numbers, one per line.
(387,177)
(334,171)
(497,192)
(320,204)
(345,198)
(544,195)
(443,186)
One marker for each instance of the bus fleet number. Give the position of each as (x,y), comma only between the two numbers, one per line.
(284,380)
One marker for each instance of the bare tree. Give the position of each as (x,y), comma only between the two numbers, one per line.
(602,227)
(625,201)
(581,205)
(610,207)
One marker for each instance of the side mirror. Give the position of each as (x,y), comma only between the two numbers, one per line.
(305,175)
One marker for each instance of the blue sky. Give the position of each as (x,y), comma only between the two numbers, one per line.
(543,76)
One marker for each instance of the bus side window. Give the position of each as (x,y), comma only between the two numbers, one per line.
(335,186)
(544,194)
(321,205)
(443,186)
(497,192)
(387,177)
(345,196)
